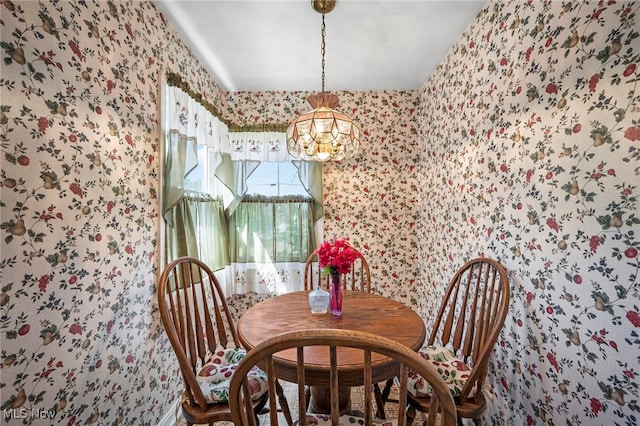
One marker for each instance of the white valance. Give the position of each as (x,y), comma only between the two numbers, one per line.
(259,146)
(190,118)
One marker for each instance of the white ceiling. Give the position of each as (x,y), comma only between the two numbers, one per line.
(265,45)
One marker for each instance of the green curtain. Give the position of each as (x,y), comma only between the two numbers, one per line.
(234,174)
(197,227)
(180,157)
(311,178)
(195,216)
(271,230)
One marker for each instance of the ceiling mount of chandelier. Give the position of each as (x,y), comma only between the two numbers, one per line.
(323,133)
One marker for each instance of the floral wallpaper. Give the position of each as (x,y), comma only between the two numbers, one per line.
(531,134)
(522,145)
(81,342)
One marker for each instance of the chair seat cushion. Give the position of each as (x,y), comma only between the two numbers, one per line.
(454,372)
(215,375)
(345,420)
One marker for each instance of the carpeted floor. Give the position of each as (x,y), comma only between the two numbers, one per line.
(357,403)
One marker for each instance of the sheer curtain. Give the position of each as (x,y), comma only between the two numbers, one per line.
(230,158)
(190,217)
(284,232)
(195,216)
(270,239)
(248,150)
(252,269)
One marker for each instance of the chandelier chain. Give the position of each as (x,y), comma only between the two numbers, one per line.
(323,134)
(322,49)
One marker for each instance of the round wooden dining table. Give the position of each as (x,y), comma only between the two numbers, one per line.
(361,311)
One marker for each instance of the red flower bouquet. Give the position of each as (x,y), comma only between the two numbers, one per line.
(337,257)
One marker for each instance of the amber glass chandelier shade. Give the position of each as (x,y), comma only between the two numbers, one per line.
(323,134)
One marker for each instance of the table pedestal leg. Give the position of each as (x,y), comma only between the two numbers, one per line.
(320,402)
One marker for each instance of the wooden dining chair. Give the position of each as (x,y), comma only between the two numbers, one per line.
(470,318)
(202,332)
(373,348)
(359,278)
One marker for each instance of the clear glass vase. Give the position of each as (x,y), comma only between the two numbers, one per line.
(335,290)
(318,301)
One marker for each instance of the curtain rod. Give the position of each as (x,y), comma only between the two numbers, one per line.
(175,80)
(200,196)
(276,199)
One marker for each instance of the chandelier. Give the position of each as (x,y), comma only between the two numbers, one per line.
(323,133)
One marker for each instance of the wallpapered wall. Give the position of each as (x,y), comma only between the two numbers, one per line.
(80,131)
(532,138)
(79,124)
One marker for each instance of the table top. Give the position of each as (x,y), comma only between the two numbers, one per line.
(360,311)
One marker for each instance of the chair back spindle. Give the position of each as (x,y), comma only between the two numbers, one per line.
(358,278)
(470,318)
(198,322)
(337,340)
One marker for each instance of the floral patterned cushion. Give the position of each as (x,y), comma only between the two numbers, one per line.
(345,420)
(453,371)
(215,375)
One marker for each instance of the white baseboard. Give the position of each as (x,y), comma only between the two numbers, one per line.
(171,417)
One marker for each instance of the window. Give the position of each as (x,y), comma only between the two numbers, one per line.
(207,172)
(202,178)
(274,221)
(275,179)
